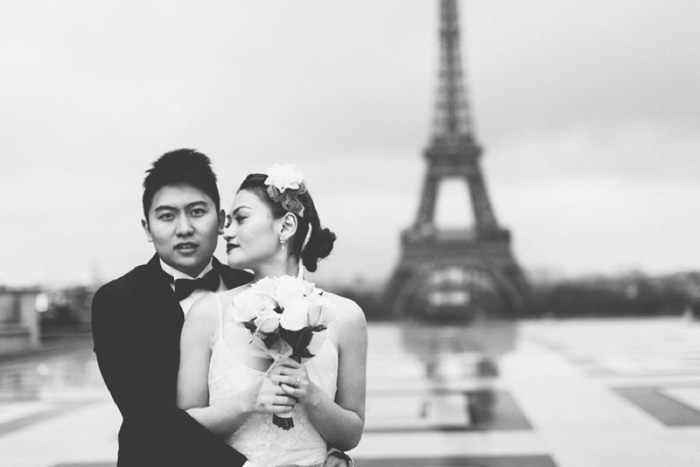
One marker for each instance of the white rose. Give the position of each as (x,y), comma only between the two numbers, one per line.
(295,315)
(317,314)
(247,306)
(268,321)
(290,289)
(265,287)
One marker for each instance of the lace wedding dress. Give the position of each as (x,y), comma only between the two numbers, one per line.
(262,442)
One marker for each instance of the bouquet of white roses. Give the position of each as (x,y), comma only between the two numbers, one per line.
(282,315)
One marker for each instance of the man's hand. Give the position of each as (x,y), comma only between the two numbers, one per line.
(338,458)
(334,461)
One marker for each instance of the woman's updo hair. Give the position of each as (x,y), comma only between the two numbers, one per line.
(320,242)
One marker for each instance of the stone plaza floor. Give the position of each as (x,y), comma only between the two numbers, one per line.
(574,393)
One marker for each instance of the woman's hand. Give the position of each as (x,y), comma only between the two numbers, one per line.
(267,397)
(293,379)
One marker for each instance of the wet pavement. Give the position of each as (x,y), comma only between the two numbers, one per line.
(577,393)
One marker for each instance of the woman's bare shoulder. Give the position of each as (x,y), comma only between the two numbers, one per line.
(346,310)
(206,308)
(203,314)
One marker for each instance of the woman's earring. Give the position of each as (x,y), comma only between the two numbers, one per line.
(283,242)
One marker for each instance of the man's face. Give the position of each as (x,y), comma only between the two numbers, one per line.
(184,226)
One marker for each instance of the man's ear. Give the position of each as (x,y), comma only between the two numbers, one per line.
(144,224)
(222,221)
(289,225)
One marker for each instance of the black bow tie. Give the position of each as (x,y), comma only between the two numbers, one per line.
(185,287)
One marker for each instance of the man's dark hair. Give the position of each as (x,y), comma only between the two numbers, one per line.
(180,167)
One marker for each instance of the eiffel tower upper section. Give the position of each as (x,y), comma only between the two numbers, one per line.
(452,127)
(453,150)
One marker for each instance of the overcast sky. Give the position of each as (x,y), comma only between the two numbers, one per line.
(589,114)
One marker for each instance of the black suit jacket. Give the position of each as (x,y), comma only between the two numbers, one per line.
(136,324)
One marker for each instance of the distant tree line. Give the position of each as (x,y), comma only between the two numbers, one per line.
(631,294)
(626,295)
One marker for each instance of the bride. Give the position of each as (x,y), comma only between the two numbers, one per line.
(273,229)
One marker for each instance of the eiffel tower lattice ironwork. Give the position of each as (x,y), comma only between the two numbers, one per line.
(463,271)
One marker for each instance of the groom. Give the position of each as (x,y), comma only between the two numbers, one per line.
(137,319)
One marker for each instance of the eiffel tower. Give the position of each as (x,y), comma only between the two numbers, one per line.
(455,272)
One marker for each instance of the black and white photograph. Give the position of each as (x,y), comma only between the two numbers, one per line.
(367,233)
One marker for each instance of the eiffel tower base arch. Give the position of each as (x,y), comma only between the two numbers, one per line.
(458,276)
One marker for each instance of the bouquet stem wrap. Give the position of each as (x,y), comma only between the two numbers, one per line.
(281,420)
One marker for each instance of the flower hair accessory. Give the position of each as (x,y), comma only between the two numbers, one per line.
(284,184)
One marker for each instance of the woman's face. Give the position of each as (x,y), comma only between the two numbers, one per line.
(252,235)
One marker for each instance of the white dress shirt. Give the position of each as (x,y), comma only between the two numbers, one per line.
(187,302)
